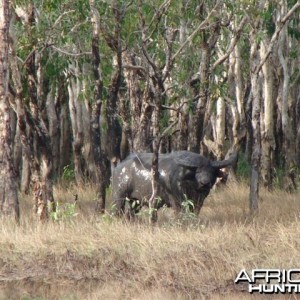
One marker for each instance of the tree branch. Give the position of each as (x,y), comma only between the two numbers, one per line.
(202,26)
(65,52)
(232,44)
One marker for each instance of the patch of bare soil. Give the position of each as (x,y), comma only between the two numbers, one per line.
(71,277)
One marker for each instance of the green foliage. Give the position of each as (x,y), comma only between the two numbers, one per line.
(68,173)
(267,16)
(64,212)
(293,29)
(151,211)
(188,209)
(278,176)
(243,166)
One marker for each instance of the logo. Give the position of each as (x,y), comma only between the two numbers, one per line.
(270,281)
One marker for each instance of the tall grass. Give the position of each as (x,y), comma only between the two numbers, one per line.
(87,256)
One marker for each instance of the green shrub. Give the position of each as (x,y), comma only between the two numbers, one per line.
(68,173)
(243,167)
(64,212)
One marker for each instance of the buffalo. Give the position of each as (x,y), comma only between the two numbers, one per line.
(182,175)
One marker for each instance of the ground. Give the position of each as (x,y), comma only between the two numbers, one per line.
(85,256)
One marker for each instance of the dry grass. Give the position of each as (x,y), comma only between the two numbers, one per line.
(90,257)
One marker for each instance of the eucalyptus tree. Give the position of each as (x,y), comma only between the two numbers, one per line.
(34,132)
(37,66)
(9,204)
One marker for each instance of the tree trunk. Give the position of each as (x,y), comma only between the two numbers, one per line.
(268,141)
(158,91)
(9,203)
(238,128)
(42,173)
(24,127)
(288,135)
(87,149)
(75,108)
(256,106)
(54,131)
(25,175)
(17,152)
(100,159)
(64,143)
(196,132)
(203,111)
(183,124)
(142,140)
(140,112)
(113,126)
(220,127)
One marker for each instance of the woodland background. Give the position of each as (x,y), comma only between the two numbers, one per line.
(83,83)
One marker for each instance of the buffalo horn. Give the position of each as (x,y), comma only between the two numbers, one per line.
(225,163)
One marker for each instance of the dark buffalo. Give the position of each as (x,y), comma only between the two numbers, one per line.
(182,175)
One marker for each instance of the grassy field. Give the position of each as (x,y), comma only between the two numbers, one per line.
(84,256)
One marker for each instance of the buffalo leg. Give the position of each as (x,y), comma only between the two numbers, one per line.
(134,206)
(197,207)
(199,203)
(119,205)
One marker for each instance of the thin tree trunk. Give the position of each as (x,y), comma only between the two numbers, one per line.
(113,126)
(158,91)
(140,110)
(203,111)
(196,132)
(25,175)
(75,107)
(183,125)
(256,106)
(133,94)
(239,84)
(63,136)
(87,149)
(17,153)
(142,139)
(99,158)
(54,131)
(268,128)
(220,127)
(288,136)
(24,127)
(238,128)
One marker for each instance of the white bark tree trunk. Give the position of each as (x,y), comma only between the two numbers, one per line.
(256,107)
(9,203)
(288,136)
(268,140)
(53,125)
(75,108)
